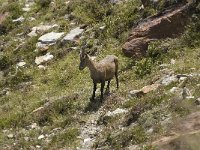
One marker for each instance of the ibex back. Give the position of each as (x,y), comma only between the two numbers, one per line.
(101,71)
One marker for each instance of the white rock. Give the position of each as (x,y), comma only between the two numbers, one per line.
(42,67)
(51,37)
(102,27)
(10,136)
(115,112)
(38,109)
(32,33)
(182,78)
(33,126)
(26,9)
(164,66)
(87,140)
(38,146)
(41,137)
(73,34)
(67,2)
(42,59)
(42,28)
(21,64)
(31,18)
(20,19)
(189,97)
(173,61)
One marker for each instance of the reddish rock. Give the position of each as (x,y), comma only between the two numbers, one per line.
(169,23)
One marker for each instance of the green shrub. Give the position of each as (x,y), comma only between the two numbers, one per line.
(43,3)
(91,11)
(143,67)
(155,51)
(14,9)
(4,62)
(19,77)
(191,37)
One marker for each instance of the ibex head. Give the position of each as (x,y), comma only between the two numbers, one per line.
(83,59)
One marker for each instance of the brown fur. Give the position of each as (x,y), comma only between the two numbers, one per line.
(101,71)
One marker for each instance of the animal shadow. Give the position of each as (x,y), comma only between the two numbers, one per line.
(96,103)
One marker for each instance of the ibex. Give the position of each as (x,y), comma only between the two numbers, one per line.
(101,71)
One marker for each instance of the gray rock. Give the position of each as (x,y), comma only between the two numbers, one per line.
(51,37)
(169,79)
(73,34)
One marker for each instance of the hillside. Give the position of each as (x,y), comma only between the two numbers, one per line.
(45,99)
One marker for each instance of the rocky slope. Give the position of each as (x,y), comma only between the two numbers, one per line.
(45,100)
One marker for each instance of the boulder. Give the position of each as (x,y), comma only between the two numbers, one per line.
(168,24)
(51,37)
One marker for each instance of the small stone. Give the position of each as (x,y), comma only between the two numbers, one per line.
(41,59)
(173,61)
(86,140)
(21,64)
(38,110)
(10,136)
(149,88)
(115,112)
(102,27)
(162,66)
(42,67)
(134,93)
(20,19)
(38,146)
(150,131)
(41,137)
(197,101)
(26,9)
(33,126)
(26,138)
